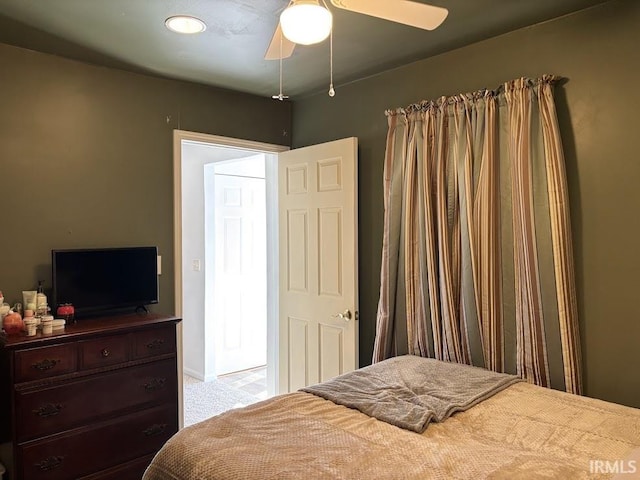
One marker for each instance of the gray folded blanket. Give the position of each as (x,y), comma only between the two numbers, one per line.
(410,391)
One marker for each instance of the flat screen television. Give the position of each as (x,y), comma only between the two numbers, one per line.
(106,279)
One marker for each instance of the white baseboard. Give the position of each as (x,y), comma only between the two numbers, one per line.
(199,375)
(194,374)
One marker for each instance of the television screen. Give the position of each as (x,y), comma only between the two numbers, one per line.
(100,280)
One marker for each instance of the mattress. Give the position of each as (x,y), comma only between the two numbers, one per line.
(522,432)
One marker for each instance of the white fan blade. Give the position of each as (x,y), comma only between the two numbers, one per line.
(420,15)
(273,52)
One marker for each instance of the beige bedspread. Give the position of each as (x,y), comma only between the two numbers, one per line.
(523,432)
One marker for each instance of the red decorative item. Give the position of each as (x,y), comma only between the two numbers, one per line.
(12,323)
(66,311)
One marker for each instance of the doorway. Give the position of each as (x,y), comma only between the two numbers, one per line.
(312,283)
(217,248)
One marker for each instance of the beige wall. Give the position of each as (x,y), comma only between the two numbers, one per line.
(597,51)
(86,158)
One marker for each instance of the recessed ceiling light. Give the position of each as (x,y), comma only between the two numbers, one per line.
(185,24)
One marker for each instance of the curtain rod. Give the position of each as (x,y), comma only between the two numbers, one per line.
(522,82)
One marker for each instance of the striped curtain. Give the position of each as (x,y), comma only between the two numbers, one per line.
(477,261)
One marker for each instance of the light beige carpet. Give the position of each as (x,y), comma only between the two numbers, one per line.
(204,400)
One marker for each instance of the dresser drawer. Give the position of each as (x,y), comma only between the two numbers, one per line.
(158,341)
(132,470)
(45,362)
(86,451)
(74,403)
(103,352)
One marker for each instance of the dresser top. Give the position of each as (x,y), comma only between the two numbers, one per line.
(88,327)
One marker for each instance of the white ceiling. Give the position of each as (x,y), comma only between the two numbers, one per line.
(130,34)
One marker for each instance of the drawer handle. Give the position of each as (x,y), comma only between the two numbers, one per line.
(105,352)
(50,463)
(156,343)
(45,364)
(154,429)
(48,410)
(155,384)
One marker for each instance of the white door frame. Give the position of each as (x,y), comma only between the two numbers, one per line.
(272,255)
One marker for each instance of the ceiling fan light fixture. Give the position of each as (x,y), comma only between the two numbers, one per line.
(185,24)
(306,22)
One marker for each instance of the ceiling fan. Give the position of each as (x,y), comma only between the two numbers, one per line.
(308,21)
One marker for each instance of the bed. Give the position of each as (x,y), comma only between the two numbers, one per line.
(517,430)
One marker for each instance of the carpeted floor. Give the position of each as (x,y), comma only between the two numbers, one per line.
(252,381)
(203,400)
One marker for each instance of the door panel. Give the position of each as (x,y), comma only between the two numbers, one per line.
(330,252)
(298,353)
(298,251)
(318,263)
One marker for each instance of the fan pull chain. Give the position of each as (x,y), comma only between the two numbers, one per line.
(332,92)
(280,96)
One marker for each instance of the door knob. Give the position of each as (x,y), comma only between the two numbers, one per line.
(346,315)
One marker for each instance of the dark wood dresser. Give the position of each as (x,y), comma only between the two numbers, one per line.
(95,401)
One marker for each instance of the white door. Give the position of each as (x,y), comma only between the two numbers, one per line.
(318,331)
(240,290)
